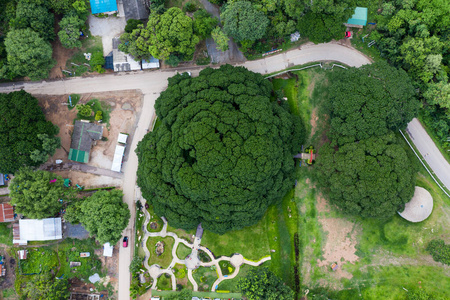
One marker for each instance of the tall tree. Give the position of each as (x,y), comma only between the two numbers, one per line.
(45,286)
(370,100)
(223,153)
(262,284)
(243,21)
(28,54)
(23,121)
(368,178)
(49,145)
(104,215)
(171,32)
(204,23)
(220,38)
(36,194)
(36,17)
(69,35)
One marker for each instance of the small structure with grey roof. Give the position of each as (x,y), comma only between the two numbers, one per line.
(84,135)
(135,9)
(420,206)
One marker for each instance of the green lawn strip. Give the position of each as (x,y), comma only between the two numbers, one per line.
(6,235)
(202,294)
(251,241)
(164,283)
(181,233)
(205,277)
(74,98)
(139,234)
(165,258)
(183,251)
(154,219)
(231,284)
(9,293)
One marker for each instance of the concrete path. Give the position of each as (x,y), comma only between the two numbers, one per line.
(81,167)
(107,29)
(152,84)
(192,261)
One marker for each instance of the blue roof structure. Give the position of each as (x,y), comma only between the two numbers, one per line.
(359,17)
(102,6)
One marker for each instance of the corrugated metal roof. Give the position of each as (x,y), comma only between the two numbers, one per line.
(40,230)
(359,17)
(102,6)
(6,213)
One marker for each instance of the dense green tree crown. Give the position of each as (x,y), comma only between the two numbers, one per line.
(23,121)
(244,22)
(370,100)
(36,17)
(223,152)
(34,195)
(104,215)
(28,54)
(262,284)
(369,178)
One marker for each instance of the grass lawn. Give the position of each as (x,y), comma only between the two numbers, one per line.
(154,219)
(205,277)
(181,3)
(231,284)
(6,234)
(89,45)
(183,251)
(39,259)
(165,258)
(181,233)
(202,294)
(140,219)
(180,271)
(9,294)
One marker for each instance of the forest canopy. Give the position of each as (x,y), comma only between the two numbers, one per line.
(223,152)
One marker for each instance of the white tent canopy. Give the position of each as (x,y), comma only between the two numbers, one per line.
(108,250)
(117,161)
(40,230)
(122,138)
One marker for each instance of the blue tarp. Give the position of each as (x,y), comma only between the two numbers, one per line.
(359,17)
(102,6)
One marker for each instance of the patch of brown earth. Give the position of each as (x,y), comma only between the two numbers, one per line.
(322,204)
(339,246)
(313,121)
(89,180)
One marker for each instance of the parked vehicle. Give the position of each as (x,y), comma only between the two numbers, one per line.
(125,242)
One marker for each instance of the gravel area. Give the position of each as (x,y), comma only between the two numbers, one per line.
(107,28)
(75,231)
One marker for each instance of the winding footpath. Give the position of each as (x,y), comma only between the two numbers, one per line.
(151,84)
(192,261)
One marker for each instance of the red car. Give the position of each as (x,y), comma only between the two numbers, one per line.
(125,242)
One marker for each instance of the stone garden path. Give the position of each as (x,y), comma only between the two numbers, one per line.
(192,261)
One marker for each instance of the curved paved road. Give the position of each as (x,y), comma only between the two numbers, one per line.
(152,84)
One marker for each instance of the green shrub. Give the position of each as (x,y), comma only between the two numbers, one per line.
(98,115)
(190,7)
(173,60)
(439,251)
(84,110)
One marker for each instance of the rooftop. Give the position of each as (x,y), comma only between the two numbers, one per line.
(103,6)
(6,212)
(84,134)
(359,17)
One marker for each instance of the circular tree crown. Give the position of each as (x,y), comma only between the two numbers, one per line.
(222,153)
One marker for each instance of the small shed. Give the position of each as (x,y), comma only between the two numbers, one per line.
(103,6)
(359,18)
(135,9)
(22,254)
(84,135)
(152,63)
(6,212)
(85,254)
(108,250)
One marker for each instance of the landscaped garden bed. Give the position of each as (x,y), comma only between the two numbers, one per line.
(165,244)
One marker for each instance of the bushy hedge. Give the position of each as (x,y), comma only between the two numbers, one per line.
(439,251)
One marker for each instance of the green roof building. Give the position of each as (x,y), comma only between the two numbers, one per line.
(359,18)
(84,134)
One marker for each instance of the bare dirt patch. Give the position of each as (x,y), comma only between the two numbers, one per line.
(10,264)
(111,263)
(339,246)
(313,121)
(322,204)
(125,111)
(89,180)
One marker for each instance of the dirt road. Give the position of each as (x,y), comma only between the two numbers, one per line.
(151,84)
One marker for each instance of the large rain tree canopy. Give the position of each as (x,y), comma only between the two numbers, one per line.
(223,152)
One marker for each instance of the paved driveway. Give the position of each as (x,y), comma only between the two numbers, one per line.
(107,28)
